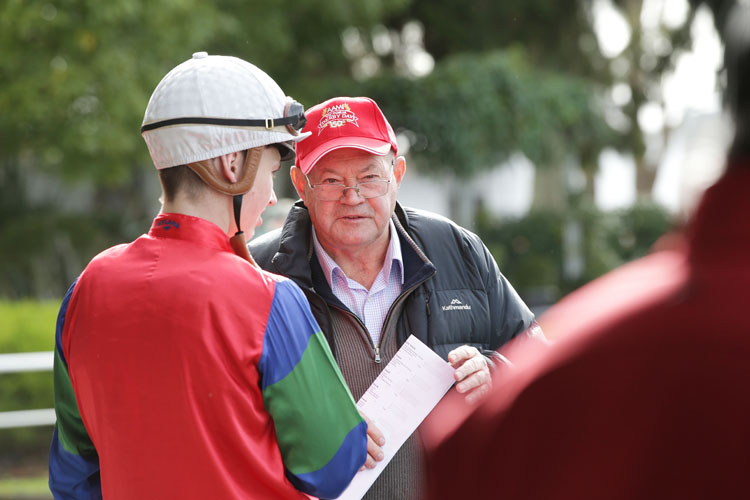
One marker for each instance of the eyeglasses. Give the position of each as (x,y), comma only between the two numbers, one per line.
(294,119)
(334,191)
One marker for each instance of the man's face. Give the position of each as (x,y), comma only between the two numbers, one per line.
(351,223)
(262,195)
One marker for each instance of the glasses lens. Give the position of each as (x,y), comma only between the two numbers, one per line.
(373,189)
(368,189)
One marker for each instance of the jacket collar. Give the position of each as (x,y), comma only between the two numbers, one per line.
(188,228)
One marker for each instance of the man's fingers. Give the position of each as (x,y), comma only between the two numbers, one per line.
(374,453)
(373,449)
(471,366)
(375,440)
(373,433)
(478,394)
(461,354)
(472,373)
(477,379)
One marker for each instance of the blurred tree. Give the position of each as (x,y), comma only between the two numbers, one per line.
(75,78)
(557,35)
(720,10)
(562,37)
(651,53)
(531,249)
(508,76)
(475,109)
(76,74)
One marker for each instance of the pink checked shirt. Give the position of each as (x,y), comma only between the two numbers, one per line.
(370,305)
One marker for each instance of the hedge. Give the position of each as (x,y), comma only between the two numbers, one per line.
(26,326)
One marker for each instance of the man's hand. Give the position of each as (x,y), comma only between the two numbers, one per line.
(375,440)
(472,372)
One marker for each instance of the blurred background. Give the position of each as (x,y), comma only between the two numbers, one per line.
(569,135)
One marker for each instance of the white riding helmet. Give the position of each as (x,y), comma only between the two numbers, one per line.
(214,105)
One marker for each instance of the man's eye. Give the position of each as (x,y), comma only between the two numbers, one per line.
(371,177)
(330,181)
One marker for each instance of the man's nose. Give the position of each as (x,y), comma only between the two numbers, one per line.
(352,195)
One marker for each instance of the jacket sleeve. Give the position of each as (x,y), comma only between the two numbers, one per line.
(73,460)
(509,315)
(322,437)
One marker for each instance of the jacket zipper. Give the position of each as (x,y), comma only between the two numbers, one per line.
(376,348)
(365,333)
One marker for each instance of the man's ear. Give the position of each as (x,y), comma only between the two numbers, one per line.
(230,166)
(298,179)
(399,169)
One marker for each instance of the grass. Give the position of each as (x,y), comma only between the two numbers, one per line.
(24,488)
(27,325)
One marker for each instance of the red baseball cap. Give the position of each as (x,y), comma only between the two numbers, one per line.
(344,122)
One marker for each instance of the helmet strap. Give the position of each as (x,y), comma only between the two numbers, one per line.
(238,243)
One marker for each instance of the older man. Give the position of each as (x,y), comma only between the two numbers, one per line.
(376,272)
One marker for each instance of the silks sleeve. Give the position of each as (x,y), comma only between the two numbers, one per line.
(73,460)
(322,437)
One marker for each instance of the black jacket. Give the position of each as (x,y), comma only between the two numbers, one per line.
(455,292)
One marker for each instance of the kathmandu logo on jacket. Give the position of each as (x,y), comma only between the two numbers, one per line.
(456,305)
(168,224)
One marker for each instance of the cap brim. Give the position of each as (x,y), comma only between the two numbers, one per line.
(373,146)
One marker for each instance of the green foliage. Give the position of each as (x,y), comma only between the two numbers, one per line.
(530,250)
(75,78)
(552,32)
(28,487)
(26,326)
(474,110)
(76,74)
(637,228)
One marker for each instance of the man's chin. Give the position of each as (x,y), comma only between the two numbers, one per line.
(353,240)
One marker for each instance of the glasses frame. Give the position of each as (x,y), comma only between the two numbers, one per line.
(356,187)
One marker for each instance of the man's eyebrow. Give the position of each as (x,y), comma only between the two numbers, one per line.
(374,165)
(320,172)
(370,166)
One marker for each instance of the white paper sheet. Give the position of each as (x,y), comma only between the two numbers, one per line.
(398,400)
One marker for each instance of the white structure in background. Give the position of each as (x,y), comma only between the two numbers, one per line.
(694,158)
(614,183)
(505,190)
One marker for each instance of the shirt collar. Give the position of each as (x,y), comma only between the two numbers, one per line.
(189,228)
(393,253)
